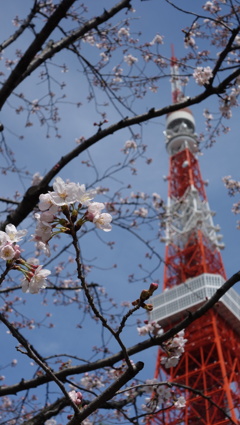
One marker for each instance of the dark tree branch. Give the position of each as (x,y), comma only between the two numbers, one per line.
(31,196)
(129,374)
(16,75)
(28,63)
(48,412)
(32,353)
(20,30)
(110,361)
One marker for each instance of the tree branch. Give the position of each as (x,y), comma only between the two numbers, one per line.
(31,196)
(28,63)
(16,75)
(110,361)
(130,373)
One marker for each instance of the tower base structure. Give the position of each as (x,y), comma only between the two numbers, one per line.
(208,374)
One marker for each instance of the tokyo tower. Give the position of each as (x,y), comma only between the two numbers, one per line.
(194,270)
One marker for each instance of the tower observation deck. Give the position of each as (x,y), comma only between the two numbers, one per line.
(209,369)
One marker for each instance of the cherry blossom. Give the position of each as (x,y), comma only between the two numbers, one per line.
(91,381)
(123,32)
(36,179)
(141,212)
(174,349)
(130,59)
(129,144)
(3,238)
(202,75)
(158,39)
(104,57)
(159,394)
(9,252)
(180,402)
(50,422)
(35,281)
(170,361)
(211,7)
(46,203)
(101,220)
(64,193)
(150,328)
(76,397)
(13,234)
(84,196)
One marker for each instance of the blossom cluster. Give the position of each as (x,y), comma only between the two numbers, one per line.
(230,100)
(152,328)
(34,275)
(76,397)
(173,348)
(129,144)
(232,185)
(9,249)
(202,75)
(63,199)
(91,381)
(130,59)
(160,394)
(212,7)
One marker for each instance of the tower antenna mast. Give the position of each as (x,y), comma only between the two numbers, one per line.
(176,88)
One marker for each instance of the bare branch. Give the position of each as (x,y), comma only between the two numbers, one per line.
(111,360)
(31,196)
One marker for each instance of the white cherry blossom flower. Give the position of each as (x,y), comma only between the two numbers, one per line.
(91,381)
(46,203)
(123,32)
(211,7)
(36,179)
(102,221)
(130,144)
(170,361)
(141,212)
(42,246)
(84,196)
(3,238)
(43,232)
(181,402)
(104,57)
(50,422)
(130,59)
(64,193)
(76,397)
(36,282)
(7,252)
(13,234)
(158,39)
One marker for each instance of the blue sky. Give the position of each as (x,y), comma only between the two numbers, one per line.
(39,154)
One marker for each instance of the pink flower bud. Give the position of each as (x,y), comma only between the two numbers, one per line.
(152,288)
(76,397)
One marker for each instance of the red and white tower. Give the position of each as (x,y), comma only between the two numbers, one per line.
(193,272)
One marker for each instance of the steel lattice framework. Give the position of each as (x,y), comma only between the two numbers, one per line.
(209,370)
